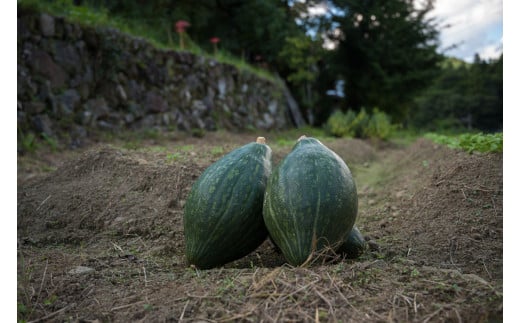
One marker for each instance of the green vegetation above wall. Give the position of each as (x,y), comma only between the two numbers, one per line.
(94,15)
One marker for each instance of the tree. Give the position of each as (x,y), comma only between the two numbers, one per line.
(301,54)
(386,52)
(463,96)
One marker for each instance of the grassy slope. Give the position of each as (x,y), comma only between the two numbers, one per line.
(88,16)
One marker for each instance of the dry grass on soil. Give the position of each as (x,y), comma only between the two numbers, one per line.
(433,217)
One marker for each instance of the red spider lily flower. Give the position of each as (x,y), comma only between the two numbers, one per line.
(181,25)
(214,41)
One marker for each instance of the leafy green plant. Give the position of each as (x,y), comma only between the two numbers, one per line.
(340,124)
(198,132)
(22,310)
(217,151)
(470,142)
(379,126)
(187,148)
(49,301)
(174,156)
(27,141)
(50,141)
(360,125)
(152,133)
(226,285)
(131,145)
(481,142)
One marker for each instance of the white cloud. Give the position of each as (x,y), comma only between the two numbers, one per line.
(487,52)
(318,10)
(475,27)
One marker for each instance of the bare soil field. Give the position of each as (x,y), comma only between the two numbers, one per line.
(100,238)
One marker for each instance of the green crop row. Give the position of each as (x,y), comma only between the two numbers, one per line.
(470,142)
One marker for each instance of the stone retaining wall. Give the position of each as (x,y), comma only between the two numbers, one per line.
(75,80)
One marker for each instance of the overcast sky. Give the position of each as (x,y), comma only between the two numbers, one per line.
(476,27)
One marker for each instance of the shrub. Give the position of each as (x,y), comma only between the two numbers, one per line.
(340,124)
(379,126)
(360,125)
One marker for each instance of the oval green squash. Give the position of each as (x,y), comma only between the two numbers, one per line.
(223,212)
(310,201)
(354,245)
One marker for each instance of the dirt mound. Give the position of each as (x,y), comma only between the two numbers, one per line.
(442,208)
(106,191)
(353,151)
(101,238)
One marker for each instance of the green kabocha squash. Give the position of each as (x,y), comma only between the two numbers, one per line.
(310,201)
(223,212)
(354,245)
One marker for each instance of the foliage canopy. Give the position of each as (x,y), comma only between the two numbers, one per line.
(386,52)
(462,96)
